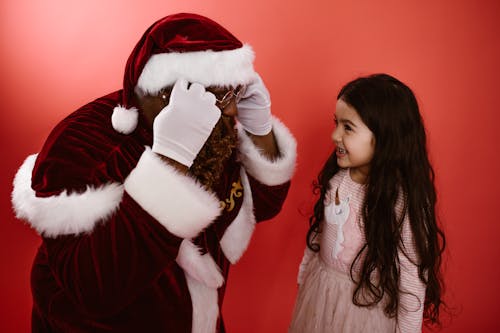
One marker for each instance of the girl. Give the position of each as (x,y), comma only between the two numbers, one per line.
(373,254)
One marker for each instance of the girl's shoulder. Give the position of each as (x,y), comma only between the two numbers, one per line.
(342,179)
(338,178)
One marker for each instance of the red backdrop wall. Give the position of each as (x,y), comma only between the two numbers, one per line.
(57,55)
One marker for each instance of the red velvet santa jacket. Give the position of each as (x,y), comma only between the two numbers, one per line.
(118,226)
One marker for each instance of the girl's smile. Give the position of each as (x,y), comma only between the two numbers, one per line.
(341,152)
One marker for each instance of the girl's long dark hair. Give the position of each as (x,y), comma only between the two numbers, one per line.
(400,163)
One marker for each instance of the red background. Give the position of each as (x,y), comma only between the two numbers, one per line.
(57,55)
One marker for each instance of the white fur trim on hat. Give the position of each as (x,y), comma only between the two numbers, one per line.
(200,267)
(63,214)
(237,236)
(269,172)
(124,120)
(177,201)
(220,68)
(205,306)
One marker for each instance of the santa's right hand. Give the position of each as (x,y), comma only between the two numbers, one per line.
(182,127)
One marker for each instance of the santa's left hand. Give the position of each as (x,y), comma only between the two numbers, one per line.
(254,108)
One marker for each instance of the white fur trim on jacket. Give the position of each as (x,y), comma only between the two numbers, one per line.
(237,236)
(62,214)
(177,201)
(200,267)
(124,120)
(221,68)
(205,306)
(264,170)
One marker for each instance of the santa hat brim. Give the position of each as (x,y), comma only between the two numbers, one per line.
(209,68)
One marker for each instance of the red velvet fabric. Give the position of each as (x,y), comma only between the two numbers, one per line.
(121,276)
(84,149)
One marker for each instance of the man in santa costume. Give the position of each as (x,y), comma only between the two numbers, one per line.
(144,197)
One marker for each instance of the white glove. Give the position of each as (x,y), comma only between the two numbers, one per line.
(254,108)
(182,127)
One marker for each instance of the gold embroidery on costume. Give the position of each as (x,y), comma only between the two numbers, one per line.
(236,192)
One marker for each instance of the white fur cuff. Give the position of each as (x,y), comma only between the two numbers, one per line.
(177,201)
(62,214)
(269,172)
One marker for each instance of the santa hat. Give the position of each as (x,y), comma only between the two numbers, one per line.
(186,46)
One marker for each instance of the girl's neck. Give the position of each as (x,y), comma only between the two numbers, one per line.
(358,175)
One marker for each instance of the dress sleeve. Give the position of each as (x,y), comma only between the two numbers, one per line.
(412,289)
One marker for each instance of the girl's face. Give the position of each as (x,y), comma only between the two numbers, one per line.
(354,140)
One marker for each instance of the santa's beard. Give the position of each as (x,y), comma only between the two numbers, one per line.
(208,165)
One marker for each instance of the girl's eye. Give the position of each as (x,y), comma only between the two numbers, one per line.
(347,128)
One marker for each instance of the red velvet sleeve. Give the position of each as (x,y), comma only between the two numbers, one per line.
(267,200)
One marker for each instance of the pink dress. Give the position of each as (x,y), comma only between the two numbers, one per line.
(324,301)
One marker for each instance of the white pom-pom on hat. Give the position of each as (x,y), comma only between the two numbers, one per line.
(124,120)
